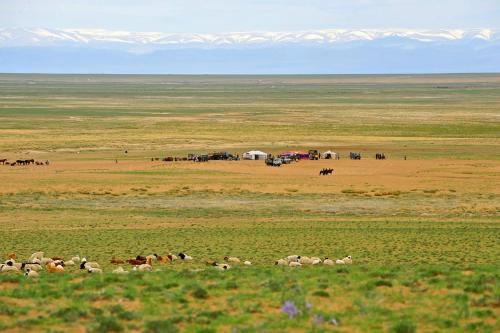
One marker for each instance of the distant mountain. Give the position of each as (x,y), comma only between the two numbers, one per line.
(50,37)
(319,51)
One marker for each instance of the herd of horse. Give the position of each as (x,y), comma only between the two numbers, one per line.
(4,161)
(326,172)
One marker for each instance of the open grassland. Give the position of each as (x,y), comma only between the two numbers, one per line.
(423,232)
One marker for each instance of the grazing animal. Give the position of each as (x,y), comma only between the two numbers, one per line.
(247,263)
(232,259)
(69,263)
(8,268)
(339,262)
(31,266)
(305,260)
(3,160)
(120,270)
(147,267)
(86,265)
(347,260)
(31,274)
(162,259)
(76,259)
(57,258)
(325,172)
(135,262)
(185,257)
(117,261)
(12,262)
(316,261)
(328,262)
(291,258)
(12,255)
(222,267)
(53,268)
(93,270)
(36,255)
(281,262)
(294,264)
(210,262)
(45,261)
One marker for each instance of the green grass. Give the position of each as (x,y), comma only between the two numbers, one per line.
(423,233)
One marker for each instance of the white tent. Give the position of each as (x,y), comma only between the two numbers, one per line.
(255,155)
(329,155)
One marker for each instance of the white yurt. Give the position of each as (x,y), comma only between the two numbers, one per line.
(329,155)
(254,155)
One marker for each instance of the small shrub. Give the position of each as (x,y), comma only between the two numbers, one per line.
(383,283)
(404,326)
(199,293)
(231,285)
(160,326)
(104,324)
(321,293)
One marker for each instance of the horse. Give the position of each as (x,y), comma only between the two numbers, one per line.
(3,160)
(325,172)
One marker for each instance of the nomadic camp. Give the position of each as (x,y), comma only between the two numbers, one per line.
(303,155)
(254,155)
(329,155)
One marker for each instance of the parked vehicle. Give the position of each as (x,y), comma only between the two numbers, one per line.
(274,161)
(314,154)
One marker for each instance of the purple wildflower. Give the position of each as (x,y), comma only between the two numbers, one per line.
(308,306)
(317,319)
(290,309)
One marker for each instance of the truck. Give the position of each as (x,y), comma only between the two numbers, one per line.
(314,154)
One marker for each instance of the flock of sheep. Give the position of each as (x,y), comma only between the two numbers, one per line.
(296,261)
(37,262)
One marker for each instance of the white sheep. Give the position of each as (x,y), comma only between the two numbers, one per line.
(294,264)
(36,255)
(294,258)
(222,267)
(316,261)
(7,268)
(281,262)
(304,260)
(94,270)
(340,262)
(184,256)
(86,265)
(33,267)
(76,259)
(31,274)
(145,268)
(247,263)
(328,262)
(12,262)
(120,270)
(232,259)
(44,261)
(348,260)
(69,263)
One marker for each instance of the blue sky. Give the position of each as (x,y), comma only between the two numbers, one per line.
(249,15)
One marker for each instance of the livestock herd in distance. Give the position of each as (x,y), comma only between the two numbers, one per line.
(38,262)
(5,161)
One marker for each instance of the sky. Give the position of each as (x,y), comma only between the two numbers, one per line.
(215,16)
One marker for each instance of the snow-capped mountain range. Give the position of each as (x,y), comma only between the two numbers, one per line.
(364,51)
(49,37)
